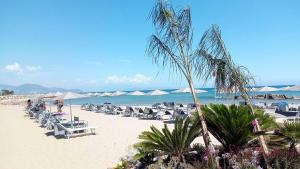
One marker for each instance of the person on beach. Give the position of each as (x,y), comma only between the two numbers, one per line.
(60,104)
(43,106)
(29,104)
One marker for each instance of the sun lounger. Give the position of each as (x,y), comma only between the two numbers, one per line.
(138,112)
(84,106)
(148,114)
(110,109)
(128,112)
(119,110)
(68,132)
(98,108)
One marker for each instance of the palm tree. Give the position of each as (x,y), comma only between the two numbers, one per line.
(229,76)
(232,125)
(171,47)
(175,143)
(287,134)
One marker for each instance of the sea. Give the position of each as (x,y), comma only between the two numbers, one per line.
(183,98)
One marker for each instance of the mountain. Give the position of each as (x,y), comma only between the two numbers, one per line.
(35,88)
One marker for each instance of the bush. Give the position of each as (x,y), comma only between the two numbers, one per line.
(284,159)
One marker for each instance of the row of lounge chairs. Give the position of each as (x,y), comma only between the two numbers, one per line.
(61,127)
(167,111)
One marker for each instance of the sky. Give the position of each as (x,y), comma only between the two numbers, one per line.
(101,44)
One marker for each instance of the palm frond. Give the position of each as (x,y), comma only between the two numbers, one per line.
(231,125)
(173,143)
(287,135)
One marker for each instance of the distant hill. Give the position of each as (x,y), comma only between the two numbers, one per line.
(35,88)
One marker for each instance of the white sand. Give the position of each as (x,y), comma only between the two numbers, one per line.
(25,145)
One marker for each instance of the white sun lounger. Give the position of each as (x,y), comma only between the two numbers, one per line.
(69,132)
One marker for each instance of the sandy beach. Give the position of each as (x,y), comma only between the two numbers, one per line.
(26,145)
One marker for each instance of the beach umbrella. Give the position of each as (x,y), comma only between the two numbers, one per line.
(157,92)
(69,96)
(58,94)
(267,89)
(188,90)
(285,88)
(294,88)
(136,93)
(96,94)
(118,93)
(105,94)
(90,94)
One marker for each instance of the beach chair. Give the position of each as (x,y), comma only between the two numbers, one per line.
(72,131)
(167,117)
(119,110)
(138,112)
(148,114)
(128,111)
(98,108)
(179,113)
(110,109)
(83,107)
(90,107)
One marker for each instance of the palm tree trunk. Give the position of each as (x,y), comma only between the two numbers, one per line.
(207,141)
(257,128)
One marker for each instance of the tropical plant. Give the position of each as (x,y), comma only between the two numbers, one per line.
(172,47)
(231,126)
(229,77)
(266,122)
(284,159)
(174,144)
(288,134)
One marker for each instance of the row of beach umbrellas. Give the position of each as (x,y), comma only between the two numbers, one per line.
(187,90)
(140,93)
(272,89)
(160,92)
(267,89)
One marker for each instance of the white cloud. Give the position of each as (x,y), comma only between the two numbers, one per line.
(33,68)
(16,67)
(136,79)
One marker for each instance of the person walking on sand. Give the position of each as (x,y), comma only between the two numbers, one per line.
(60,104)
(29,104)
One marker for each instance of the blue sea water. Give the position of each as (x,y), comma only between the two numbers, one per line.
(183,98)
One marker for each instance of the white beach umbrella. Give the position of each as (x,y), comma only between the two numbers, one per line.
(157,92)
(105,94)
(285,88)
(267,89)
(254,89)
(294,88)
(58,93)
(50,94)
(188,90)
(69,96)
(136,93)
(118,93)
(90,94)
(96,94)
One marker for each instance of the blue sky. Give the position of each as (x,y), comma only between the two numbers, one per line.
(100,45)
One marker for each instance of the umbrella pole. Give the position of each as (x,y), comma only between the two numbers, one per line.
(71,114)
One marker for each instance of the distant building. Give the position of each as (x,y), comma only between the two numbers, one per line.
(6,92)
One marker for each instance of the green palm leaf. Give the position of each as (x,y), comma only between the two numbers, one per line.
(166,142)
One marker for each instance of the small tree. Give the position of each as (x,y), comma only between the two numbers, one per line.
(175,143)
(171,47)
(229,76)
